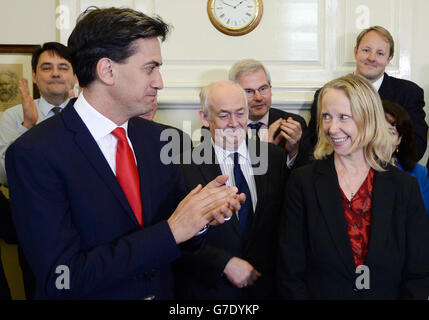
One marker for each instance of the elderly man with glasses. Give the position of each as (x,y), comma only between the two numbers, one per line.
(287,130)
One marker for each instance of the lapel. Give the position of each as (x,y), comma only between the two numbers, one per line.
(86,143)
(329,198)
(262,185)
(385,91)
(383,196)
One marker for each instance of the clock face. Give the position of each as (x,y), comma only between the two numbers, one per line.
(235,17)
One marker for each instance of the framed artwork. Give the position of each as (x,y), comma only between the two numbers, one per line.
(15,63)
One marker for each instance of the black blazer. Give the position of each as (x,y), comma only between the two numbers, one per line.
(305,147)
(200,275)
(404,92)
(69,209)
(316,259)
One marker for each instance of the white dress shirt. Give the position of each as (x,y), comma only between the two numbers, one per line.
(101,129)
(377,84)
(226,163)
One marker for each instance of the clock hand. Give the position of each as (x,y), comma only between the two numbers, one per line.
(238,4)
(228,4)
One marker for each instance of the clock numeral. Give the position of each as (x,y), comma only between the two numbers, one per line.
(222,15)
(228,21)
(248,14)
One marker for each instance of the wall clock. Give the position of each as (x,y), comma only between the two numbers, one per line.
(235,17)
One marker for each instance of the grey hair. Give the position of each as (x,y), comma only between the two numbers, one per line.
(247,66)
(206,92)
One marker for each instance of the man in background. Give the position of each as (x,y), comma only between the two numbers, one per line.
(373,52)
(53,74)
(238,258)
(287,130)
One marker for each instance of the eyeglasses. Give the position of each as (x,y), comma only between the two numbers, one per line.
(262,90)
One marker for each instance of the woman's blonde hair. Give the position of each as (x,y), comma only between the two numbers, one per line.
(367,112)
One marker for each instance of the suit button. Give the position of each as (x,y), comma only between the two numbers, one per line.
(150,297)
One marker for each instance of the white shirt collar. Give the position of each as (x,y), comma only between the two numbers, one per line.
(222,154)
(377,84)
(98,125)
(45,106)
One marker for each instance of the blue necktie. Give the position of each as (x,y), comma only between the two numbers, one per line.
(245,214)
(56,110)
(255,126)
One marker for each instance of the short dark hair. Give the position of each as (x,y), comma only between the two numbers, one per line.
(56,47)
(109,33)
(407,154)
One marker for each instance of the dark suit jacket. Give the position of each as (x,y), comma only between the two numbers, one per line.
(316,259)
(200,275)
(403,92)
(305,147)
(70,210)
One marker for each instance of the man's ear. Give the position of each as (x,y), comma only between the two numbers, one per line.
(356,50)
(390,59)
(104,71)
(203,118)
(34,77)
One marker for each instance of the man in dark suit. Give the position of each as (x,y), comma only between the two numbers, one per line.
(238,259)
(97,213)
(288,130)
(373,52)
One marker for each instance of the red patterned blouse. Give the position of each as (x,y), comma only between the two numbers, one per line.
(358,218)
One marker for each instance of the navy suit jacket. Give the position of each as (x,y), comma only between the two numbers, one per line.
(403,92)
(316,258)
(69,210)
(199,275)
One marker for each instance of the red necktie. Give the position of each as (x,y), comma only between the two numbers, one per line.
(127,174)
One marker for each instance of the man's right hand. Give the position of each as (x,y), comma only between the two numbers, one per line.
(28,106)
(241,273)
(202,206)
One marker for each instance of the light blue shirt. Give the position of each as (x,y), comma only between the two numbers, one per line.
(11,127)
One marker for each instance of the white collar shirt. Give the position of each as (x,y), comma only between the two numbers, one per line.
(101,129)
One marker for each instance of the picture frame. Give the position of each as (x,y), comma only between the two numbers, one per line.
(15,62)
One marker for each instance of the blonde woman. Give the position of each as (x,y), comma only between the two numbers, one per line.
(354,226)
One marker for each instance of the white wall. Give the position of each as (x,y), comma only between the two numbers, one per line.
(304,43)
(27,21)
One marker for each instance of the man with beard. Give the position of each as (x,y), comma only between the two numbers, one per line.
(8,86)
(53,74)
(238,259)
